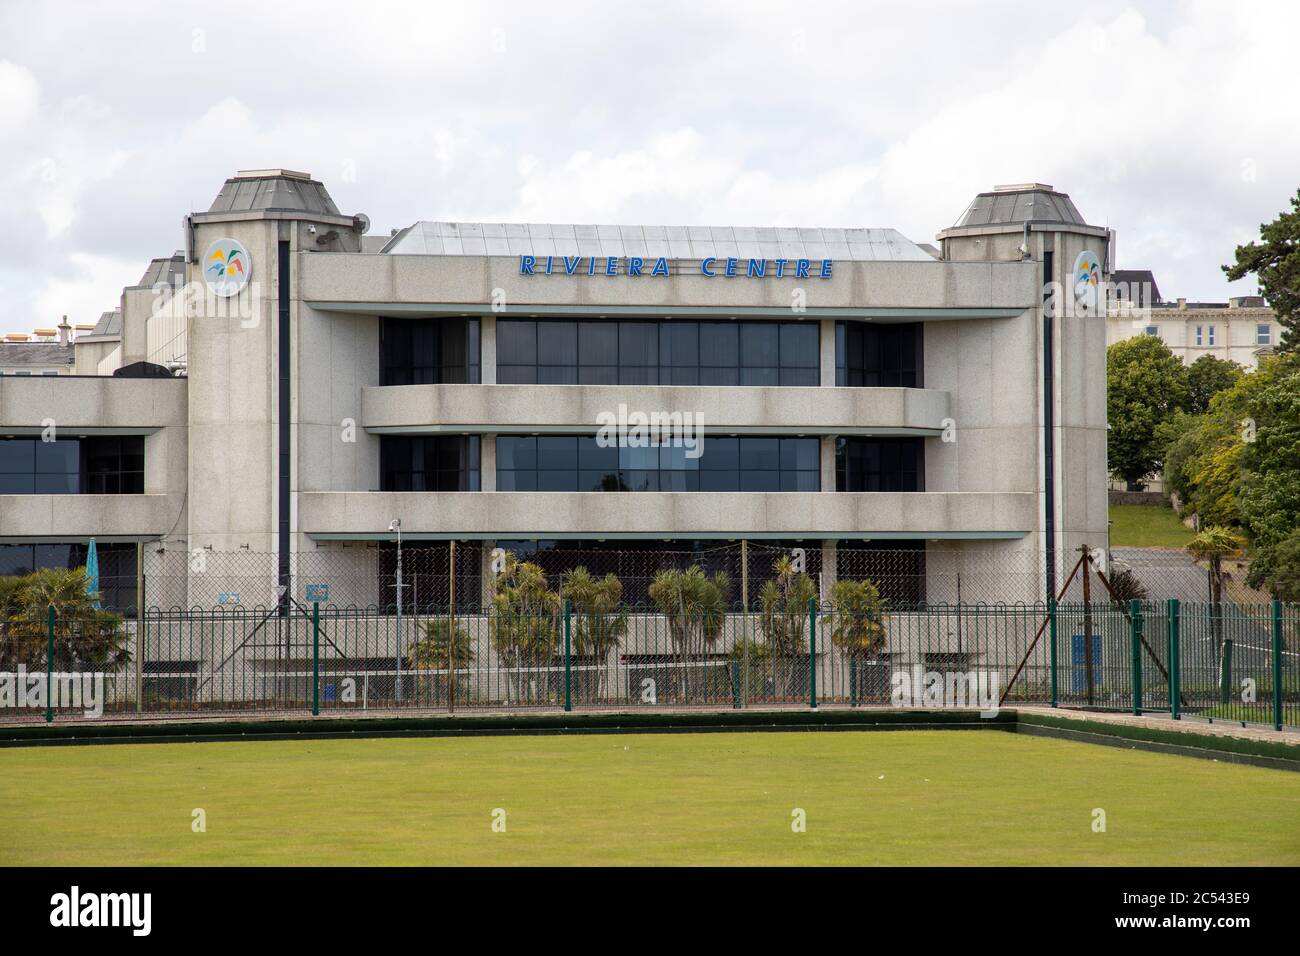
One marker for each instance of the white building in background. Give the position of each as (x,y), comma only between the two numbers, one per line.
(288,386)
(1239,330)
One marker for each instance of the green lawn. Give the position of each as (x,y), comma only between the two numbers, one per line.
(1146,526)
(907,797)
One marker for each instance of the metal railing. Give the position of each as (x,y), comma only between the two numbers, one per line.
(1200,660)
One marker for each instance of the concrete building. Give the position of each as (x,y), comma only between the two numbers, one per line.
(854,391)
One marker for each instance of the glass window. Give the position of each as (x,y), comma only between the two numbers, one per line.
(428,351)
(1151,330)
(117,567)
(429,463)
(878,355)
(669,352)
(1200,335)
(1211,335)
(578,463)
(516,342)
(1263,334)
(879,464)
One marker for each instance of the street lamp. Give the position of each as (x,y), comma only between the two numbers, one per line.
(396,525)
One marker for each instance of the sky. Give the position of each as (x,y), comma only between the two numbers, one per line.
(1176,123)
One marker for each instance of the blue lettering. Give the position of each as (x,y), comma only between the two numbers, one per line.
(757,267)
(780,268)
(731,265)
(611,266)
(661,267)
(704,266)
(634,266)
(526,265)
(591,266)
(569,267)
(826,268)
(801,269)
(549,263)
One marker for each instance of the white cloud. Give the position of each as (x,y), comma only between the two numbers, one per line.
(1169,122)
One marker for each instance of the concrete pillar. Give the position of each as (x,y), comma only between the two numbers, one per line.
(828,353)
(487,346)
(487,468)
(828,462)
(487,579)
(830,573)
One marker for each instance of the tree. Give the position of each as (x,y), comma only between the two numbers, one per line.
(783,603)
(525,618)
(1270,487)
(1126,586)
(1277,569)
(1275,264)
(1145,388)
(1208,376)
(857,618)
(85,637)
(695,607)
(1215,543)
(599,618)
(429,653)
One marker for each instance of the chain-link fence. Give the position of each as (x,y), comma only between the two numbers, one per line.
(580,647)
(443,574)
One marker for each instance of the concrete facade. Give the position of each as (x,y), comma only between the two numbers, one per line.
(214,454)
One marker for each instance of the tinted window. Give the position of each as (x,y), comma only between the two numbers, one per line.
(429,463)
(428,351)
(879,464)
(571,463)
(878,355)
(669,352)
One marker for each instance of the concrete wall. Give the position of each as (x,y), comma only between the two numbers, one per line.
(685,514)
(338,277)
(524,408)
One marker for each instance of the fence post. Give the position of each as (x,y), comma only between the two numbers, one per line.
(1175,678)
(1277,664)
(315,658)
(853,680)
(1135,634)
(812,653)
(568,657)
(1225,671)
(1051,635)
(49,670)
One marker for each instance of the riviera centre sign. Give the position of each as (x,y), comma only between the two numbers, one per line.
(638,266)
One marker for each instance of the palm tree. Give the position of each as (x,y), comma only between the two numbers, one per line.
(695,606)
(1216,543)
(601,618)
(525,617)
(783,617)
(85,637)
(857,618)
(430,653)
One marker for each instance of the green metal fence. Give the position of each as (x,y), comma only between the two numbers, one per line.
(1226,662)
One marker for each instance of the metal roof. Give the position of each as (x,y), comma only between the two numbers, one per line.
(277,189)
(674,242)
(1033,202)
(167,271)
(110,323)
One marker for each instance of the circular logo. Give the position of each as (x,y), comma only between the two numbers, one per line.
(1087,280)
(227,267)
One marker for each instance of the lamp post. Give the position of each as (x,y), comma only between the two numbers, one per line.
(396,525)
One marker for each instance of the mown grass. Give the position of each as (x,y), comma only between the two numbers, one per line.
(908,797)
(1146,526)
